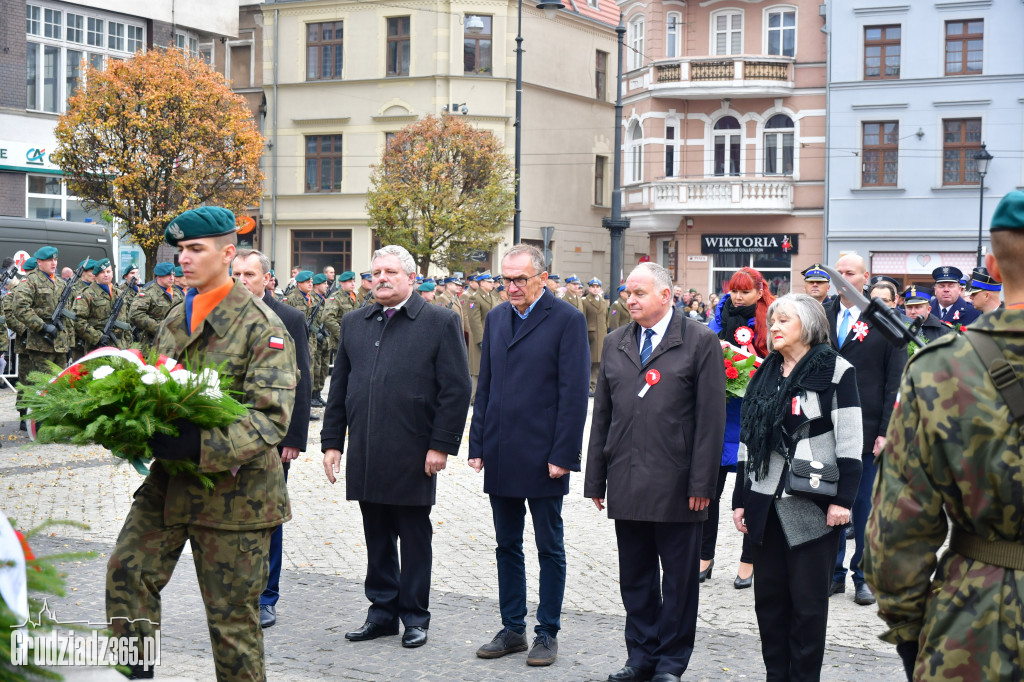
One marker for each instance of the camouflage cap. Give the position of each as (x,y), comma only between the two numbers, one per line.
(1009,213)
(197,223)
(45,253)
(304,276)
(163,269)
(318,278)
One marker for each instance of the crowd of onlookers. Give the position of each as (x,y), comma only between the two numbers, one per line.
(693,304)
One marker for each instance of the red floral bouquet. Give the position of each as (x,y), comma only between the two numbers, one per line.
(740,366)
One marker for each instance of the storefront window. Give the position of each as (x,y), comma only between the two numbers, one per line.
(48,199)
(776,270)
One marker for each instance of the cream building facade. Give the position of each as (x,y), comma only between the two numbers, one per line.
(339,76)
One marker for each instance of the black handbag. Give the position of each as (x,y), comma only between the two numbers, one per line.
(813,480)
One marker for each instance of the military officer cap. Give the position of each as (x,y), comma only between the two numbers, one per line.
(304,276)
(486,277)
(884,278)
(594,282)
(571,278)
(947,273)
(815,273)
(982,281)
(319,278)
(471,278)
(426,286)
(45,253)
(29,264)
(346,276)
(178,272)
(198,223)
(100,265)
(622,287)
(501,287)
(163,269)
(554,277)
(1009,213)
(366,275)
(916,295)
(449,280)
(419,279)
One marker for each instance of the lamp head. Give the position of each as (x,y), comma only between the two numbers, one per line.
(550,8)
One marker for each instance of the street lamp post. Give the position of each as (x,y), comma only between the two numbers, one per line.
(983,159)
(616,224)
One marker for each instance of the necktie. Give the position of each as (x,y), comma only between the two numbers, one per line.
(645,352)
(844,327)
(390,312)
(945,312)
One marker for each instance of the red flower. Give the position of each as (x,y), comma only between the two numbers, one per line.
(728,362)
(77,373)
(731,373)
(963,328)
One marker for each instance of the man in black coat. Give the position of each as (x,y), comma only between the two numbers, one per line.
(400,389)
(253,269)
(662,386)
(879,365)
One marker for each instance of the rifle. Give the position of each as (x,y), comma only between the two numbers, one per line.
(312,315)
(5,275)
(60,312)
(112,321)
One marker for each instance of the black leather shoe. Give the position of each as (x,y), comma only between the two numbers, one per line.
(371,631)
(317,401)
(505,642)
(314,418)
(414,636)
(268,615)
(665,677)
(706,573)
(631,674)
(863,595)
(837,588)
(743,583)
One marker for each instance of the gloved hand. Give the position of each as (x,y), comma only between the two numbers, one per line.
(908,653)
(50,331)
(186,447)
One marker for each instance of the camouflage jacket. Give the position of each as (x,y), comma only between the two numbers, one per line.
(337,305)
(256,350)
(952,455)
(93,308)
(297,300)
(34,302)
(149,309)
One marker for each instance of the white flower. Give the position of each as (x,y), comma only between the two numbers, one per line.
(213,392)
(150,378)
(209,377)
(182,376)
(147,369)
(102,372)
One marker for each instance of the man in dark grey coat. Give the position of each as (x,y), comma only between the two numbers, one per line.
(400,388)
(662,384)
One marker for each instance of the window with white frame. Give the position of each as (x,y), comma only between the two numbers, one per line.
(778,145)
(673,21)
(727,146)
(670,151)
(59,42)
(48,198)
(636,42)
(636,152)
(781,27)
(727,32)
(188,43)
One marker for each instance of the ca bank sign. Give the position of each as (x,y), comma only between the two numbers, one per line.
(27,156)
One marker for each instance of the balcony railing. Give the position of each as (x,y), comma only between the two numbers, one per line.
(757,76)
(724,195)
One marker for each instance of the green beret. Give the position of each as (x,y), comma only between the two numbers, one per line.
(100,264)
(129,270)
(29,264)
(426,286)
(304,276)
(163,269)
(319,278)
(88,264)
(45,253)
(197,223)
(178,272)
(1009,214)
(346,276)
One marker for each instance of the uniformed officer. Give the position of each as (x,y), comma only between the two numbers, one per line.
(130,278)
(228,525)
(153,303)
(365,289)
(34,303)
(426,290)
(948,306)
(816,283)
(475,328)
(573,289)
(952,458)
(322,358)
(94,306)
(552,283)
(301,298)
(87,277)
(984,291)
(619,313)
(596,310)
(179,280)
(916,301)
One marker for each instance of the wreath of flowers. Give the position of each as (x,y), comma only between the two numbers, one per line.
(740,367)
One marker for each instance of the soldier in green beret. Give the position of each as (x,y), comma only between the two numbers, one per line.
(94,306)
(340,302)
(153,303)
(952,458)
(321,361)
(301,298)
(228,525)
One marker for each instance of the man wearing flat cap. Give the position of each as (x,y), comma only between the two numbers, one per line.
(951,463)
(35,299)
(948,306)
(984,291)
(229,524)
(153,303)
(94,307)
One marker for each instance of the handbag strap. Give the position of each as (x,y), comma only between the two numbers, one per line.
(1000,371)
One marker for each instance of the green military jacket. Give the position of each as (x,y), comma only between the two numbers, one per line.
(337,305)
(93,308)
(34,302)
(149,309)
(297,300)
(251,342)
(952,456)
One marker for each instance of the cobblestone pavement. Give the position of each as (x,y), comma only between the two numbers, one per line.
(324,562)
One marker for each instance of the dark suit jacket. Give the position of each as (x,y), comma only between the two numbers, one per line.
(531,398)
(295,323)
(398,389)
(658,451)
(879,366)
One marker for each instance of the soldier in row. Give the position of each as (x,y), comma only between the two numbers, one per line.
(153,303)
(324,342)
(94,307)
(301,297)
(596,310)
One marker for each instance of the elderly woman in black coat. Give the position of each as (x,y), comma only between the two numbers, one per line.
(799,468)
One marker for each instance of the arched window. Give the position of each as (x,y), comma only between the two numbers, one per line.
(673,32)
(778,145)
(727,32)
(636,42)
(727,146)
(636,152)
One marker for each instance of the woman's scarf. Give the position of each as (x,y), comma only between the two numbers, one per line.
(734,317)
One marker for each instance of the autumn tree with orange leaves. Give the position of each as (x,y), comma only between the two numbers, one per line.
(443,189)
(155,135)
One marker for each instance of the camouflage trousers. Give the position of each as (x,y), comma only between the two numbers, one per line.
(231,567)
(319,365)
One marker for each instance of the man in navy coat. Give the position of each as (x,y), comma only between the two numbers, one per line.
(527,432)
(948,305)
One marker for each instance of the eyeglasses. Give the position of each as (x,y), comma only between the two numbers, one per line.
(520,282)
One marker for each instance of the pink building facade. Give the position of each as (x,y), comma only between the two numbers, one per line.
(724,136)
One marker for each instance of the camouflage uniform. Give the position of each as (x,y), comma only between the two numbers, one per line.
(322,360)
(19,329)
(952,454)
(229,526)
(93,308)
(298,300)
(337,305)
(149,309)
(34,302)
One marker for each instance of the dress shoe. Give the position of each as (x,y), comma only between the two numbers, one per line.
(505,642)
(371,631)
(314,418)
(863,595)
(665,677)
(743,583)
(268,615)
(414,636)
(317,401)
(706,573)
(544,650)
(631,674)
(837,588)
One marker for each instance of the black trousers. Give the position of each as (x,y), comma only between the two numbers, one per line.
(661,606)
(397,591)
(791,602)
(710,531)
